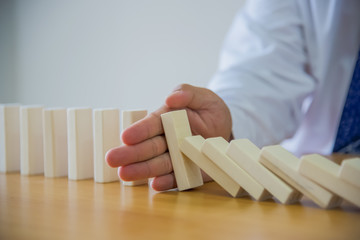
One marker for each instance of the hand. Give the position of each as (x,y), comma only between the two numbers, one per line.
(145,155)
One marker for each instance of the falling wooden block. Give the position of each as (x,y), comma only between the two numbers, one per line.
(191,147)
(246,155)
(325,172)
(176,126)
(9,138)
(130,117)
(285,165)
(350,171)
(80,143)
(31,140)
(55,143)
(106,136)
(215,150)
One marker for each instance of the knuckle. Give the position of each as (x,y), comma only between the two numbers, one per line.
(154,146)
(148,169)
(156,125)
(167,165)
(182,86)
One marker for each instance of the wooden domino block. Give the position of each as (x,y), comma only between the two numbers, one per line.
(9,138)
(325,172)
(285,165)
(215,150)
(350,171)
(176,126)
(31,140)
(246,155)
(80,143)
(130,117)
(191,147)
(55,143)
(106,136)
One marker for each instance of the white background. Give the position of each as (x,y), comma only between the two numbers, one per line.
(125,54)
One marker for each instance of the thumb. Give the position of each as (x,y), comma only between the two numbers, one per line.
(188,96)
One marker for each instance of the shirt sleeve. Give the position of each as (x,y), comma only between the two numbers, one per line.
(262,74)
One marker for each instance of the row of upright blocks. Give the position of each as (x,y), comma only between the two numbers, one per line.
(73,142)
(62,142)
(242,169)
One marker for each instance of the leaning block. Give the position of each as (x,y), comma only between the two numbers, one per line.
(325,172)
(31,140)
(246,155)
(176,126)
(80,143)
(215,150)
(55,143)
(350,171)
(285,165)
(191,147)
(130,117)
(9,138)
(106,136)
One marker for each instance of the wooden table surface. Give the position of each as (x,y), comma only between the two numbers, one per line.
(36,207)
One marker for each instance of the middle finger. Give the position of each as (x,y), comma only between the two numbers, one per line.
(125,155)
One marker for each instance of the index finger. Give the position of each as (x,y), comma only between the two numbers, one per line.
(145,128)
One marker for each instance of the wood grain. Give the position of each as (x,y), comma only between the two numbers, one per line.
(36,207)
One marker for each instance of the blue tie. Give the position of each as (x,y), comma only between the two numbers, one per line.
(348,135)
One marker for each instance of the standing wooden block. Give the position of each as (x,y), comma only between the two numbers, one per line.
(191,147)
(215,149)
(106,136)
(9,138)
(31,140)
(350,171)
(55,143)
(128,118)
(246,155)
(176,126)
(325,172)
(80,144)
(285,165)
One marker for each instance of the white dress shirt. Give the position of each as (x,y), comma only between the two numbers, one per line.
(285,69)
